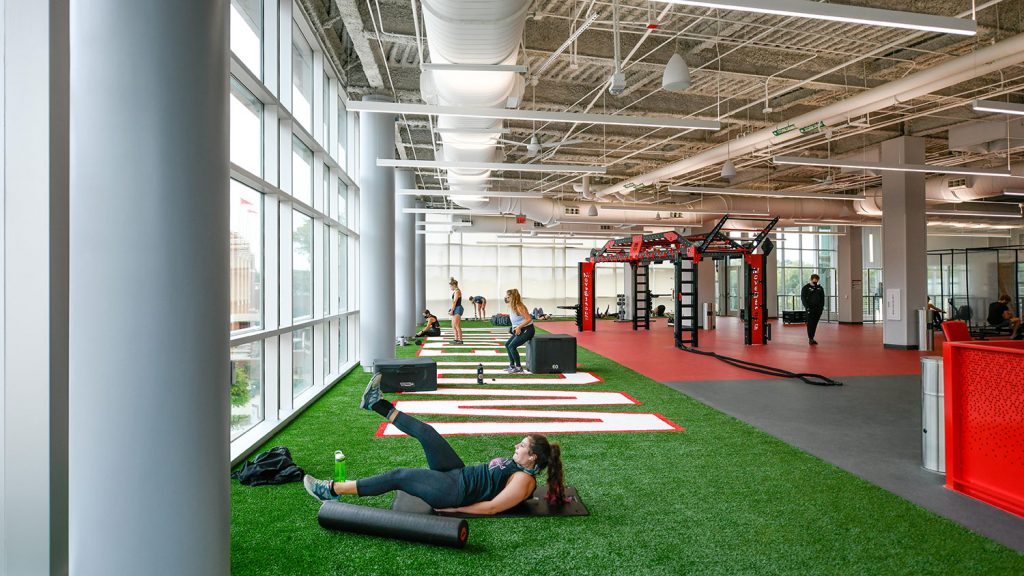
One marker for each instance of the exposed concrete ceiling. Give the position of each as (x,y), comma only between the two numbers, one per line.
(736,60)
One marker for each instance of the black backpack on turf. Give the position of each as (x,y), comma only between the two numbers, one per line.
(273,467)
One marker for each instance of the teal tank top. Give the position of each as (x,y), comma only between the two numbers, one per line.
(484,481)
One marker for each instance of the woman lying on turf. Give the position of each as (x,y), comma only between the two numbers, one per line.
(449,485)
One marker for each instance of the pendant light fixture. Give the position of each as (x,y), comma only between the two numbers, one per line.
(728,170)
(677,74)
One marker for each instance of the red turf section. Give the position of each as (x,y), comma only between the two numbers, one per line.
(843,350)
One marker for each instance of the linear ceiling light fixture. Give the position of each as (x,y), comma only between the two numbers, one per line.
(458,224)
(762,193)
(842,13)
(442,164)
(468,130)
(977,213)
(475,67)
(671,209)
(532,115)
(998,107)
(959,235)
(854,165)
(461,211)
(489,193)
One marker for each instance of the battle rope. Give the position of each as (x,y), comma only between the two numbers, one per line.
(812,379)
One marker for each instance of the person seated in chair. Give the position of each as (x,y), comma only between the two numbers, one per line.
(936,314)
(433,328)
(1001,316)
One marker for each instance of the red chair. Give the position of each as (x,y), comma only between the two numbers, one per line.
(956,331)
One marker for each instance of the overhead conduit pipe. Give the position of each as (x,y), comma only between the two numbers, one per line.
(489,32)
(985,60)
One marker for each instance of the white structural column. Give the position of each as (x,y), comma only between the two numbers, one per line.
(148,418)
(851,276)
(420,273)
(627,289)
(705,287)
(771,279)
(34,287)
(903,242)
(376,236)
(405,257)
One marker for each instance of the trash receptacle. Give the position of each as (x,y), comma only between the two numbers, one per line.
(933,417)
(709,315)
(925,334)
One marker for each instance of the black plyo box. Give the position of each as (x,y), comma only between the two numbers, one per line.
(407,374)
(551,354)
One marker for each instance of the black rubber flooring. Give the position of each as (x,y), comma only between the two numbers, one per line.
(870,427)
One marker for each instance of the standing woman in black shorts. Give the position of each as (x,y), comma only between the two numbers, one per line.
(456,310)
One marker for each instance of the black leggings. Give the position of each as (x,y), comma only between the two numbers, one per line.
(438,486)
(517,340)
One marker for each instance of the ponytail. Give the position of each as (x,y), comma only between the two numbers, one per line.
(550,456)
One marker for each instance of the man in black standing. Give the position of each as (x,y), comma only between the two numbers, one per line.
(813,298)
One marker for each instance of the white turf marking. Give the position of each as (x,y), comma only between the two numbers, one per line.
(576,378)
(470,337)
(430,352)
(447,346)
(567,421)
(485,363)
(441,371)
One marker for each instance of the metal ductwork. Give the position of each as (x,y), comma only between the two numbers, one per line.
(472,32)
(490,32)
(983,61)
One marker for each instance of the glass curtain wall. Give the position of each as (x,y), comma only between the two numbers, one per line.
(291,221)
(801,252)
(544,270)
(871,237)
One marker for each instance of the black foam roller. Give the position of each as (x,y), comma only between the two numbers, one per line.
(428,528)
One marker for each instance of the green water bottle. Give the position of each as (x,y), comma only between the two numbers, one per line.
(339,466)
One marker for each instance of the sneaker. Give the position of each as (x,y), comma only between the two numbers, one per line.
(319,489)
(372,393)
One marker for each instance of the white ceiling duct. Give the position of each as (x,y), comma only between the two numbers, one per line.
(978,63)
(472,32)
(489,32)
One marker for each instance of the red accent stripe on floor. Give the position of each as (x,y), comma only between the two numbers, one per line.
(843,350)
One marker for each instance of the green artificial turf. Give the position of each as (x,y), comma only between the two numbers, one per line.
(719,497)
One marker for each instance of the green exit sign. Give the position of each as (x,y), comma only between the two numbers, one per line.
(783,130)
(812,128)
